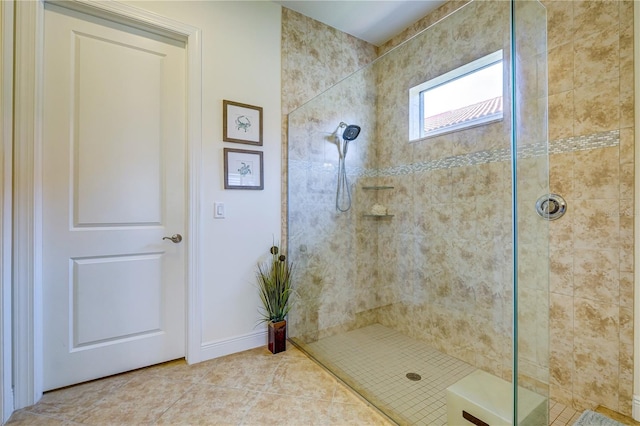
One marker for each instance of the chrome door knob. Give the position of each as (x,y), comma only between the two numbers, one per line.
(175,238)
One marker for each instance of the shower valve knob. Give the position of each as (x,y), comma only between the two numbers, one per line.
(551,206)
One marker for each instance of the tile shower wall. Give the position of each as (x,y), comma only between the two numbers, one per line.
(444,260)
(325,246)
(590,62)
(591,93)
(314,58)
(449,248)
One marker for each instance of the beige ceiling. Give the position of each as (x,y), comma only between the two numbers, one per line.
(372,21)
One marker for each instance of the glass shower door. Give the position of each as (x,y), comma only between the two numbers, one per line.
(452,277)
(531,232)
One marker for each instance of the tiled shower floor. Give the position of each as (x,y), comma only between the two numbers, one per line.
(376,359)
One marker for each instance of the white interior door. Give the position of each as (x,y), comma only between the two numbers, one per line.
(113,187)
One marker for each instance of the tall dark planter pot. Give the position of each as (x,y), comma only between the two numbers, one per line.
(277,336)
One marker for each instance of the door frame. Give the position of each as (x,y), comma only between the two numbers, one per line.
(6,163)
(27,226)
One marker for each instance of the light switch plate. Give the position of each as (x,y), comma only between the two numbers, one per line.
(218,210)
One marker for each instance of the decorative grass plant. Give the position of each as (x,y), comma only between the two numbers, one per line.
(274,284)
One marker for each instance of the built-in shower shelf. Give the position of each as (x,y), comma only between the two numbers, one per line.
(378,208)
(377,188)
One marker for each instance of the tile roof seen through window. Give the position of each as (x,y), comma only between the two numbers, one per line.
(462,115)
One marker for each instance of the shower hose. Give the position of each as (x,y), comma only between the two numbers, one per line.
(343,192)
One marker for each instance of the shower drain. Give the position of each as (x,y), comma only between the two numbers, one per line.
(414,376)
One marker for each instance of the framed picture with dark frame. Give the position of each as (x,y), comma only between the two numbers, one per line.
(241,123)
(243,169)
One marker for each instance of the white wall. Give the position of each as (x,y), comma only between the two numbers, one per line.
(240,62)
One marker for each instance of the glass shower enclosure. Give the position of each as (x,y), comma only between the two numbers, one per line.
(438,269)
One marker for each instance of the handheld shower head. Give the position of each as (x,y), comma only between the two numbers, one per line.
(343,193)
(351,132)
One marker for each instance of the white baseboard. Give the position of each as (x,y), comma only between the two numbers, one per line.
(635,409)
(218,348)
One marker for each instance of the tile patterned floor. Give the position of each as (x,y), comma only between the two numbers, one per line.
(248,388)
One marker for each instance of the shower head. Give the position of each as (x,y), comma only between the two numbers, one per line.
(351,132)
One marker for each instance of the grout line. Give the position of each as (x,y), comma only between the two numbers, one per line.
(155,421)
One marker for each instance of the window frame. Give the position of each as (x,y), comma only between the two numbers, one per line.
(416,105)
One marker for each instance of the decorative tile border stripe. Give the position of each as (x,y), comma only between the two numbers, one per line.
(584,143)
(560,146)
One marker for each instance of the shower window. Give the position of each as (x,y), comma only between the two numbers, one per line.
(464,97)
